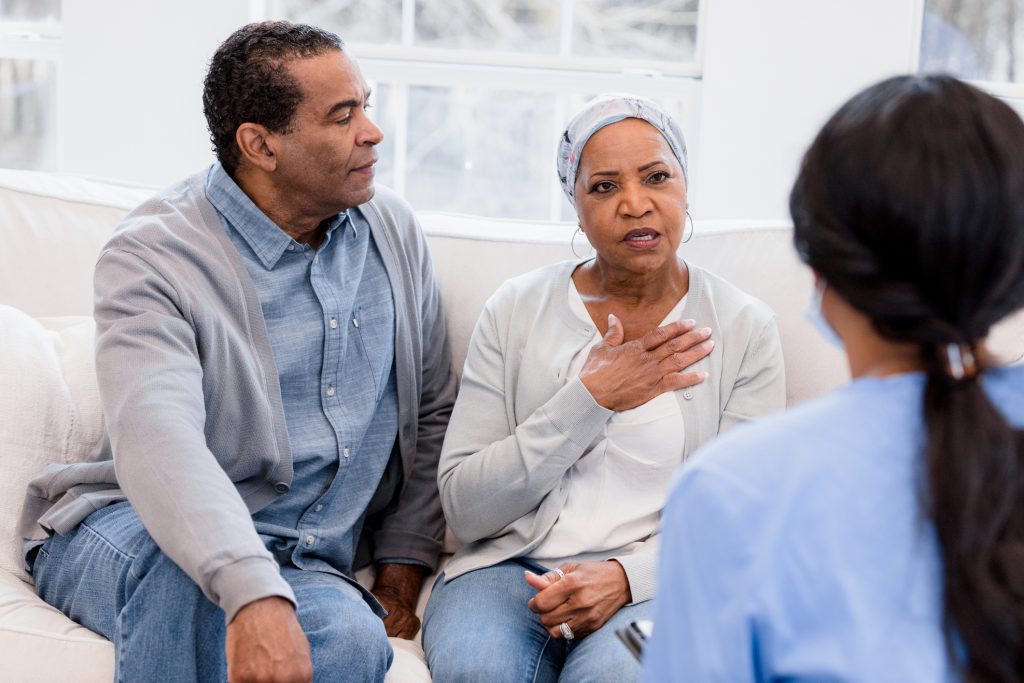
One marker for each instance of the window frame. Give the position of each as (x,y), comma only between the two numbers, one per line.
(404,65)
(39,41)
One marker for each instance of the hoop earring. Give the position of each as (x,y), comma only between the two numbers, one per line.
(689,237)
(572,242)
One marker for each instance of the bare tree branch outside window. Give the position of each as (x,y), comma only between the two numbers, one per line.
(973,39)
(30,10)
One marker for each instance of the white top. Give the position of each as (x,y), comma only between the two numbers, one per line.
(619,485)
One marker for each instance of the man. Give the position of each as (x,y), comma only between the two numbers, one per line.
(275,377)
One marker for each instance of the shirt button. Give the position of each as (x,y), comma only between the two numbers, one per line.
(319,508)
(330,390)
(291,247)
(281,487)
(687,394)
(346,452)
(309,540)
(334,323)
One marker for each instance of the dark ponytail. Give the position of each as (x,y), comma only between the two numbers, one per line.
(910,203)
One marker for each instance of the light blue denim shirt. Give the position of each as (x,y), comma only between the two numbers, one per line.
(331,322)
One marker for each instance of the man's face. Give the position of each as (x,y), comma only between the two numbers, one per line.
(325,163)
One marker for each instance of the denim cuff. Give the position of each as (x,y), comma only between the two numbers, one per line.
(409,546)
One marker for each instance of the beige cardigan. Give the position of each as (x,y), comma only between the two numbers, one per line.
(518,426)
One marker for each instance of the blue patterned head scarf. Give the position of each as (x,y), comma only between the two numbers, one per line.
(605,110)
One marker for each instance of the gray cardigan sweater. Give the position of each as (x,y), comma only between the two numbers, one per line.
(196,435)
(518,425)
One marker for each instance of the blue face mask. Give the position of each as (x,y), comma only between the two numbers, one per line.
(817,318)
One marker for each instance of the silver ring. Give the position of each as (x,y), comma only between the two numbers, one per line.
(560,573)
(566,631)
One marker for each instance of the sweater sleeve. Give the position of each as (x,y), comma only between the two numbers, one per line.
(641,567)
(413,531)
(150,380)
(493,472)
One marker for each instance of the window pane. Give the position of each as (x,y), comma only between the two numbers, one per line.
(30,10)
(974,39)
(664,30)
(385,114)
(510,25)
(356,21)
(27,94)
(488,153)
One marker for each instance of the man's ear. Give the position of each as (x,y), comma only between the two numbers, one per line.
(256,146)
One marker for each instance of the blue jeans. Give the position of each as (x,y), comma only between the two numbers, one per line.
(478,627)
(110,576)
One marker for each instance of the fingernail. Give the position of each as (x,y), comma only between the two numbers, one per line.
(710,344)
(705,330)
(611,318)
(689,323)
(703,376)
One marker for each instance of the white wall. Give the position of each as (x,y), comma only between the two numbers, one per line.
(130,105)
(131,88)
(773,73)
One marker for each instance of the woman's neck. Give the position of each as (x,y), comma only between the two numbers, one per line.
(603,281)
(893,362)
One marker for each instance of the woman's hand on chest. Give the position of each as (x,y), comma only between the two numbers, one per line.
(623,375)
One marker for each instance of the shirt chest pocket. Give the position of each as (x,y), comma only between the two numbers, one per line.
(651,436)
(372,328)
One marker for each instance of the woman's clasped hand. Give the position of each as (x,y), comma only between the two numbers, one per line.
(585,594)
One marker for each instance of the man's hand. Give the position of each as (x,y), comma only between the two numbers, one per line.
(265,644)
(397,586)
(585,598)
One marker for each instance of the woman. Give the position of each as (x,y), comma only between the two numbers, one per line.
(573,414)
(876,533)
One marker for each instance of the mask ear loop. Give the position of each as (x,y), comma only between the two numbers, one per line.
(687,238)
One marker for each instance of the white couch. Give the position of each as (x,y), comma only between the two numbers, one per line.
(51,229)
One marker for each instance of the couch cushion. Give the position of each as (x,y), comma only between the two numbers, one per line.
(50,409)
(38,644)
(52,227)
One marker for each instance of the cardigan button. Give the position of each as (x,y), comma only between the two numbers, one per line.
(281,487)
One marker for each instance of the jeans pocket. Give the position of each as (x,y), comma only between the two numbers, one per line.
(36,562)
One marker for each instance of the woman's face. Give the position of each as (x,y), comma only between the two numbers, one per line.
(631,196)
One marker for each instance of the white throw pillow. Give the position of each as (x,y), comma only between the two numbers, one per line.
(49,409)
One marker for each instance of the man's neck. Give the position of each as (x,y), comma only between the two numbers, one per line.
(297,221)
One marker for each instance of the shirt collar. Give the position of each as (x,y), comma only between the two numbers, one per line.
(267,240)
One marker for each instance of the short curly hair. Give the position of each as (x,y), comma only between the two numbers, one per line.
(246,82)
